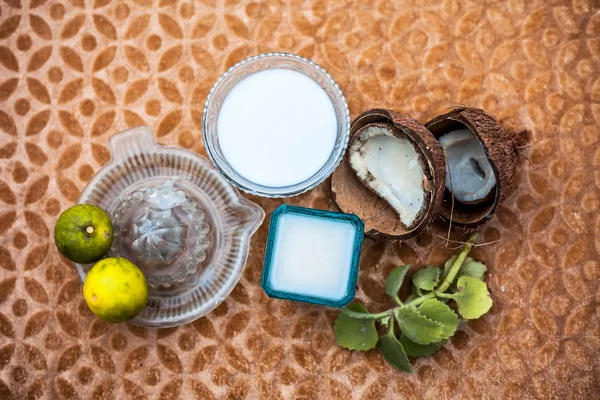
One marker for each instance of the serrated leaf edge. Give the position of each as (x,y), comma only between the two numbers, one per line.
(409,368)
(489,295)
(437,280)
(417,310)
(467,261)
(439,344)
(406,268)
(444,337)
(424,317)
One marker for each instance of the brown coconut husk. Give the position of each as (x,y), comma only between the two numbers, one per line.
(501,151)
(380,219)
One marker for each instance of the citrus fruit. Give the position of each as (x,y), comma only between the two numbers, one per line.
(83,233)
(115,289)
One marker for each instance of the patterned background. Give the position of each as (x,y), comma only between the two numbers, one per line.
(74,71)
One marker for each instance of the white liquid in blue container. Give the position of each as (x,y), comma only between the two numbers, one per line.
(312,256)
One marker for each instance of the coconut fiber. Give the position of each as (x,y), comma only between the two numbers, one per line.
(72,72)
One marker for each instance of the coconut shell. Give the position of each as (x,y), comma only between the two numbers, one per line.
(380,219)
(501,151)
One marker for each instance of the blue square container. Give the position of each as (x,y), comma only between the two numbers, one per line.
(269,264)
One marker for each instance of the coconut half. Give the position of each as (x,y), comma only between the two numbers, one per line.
(390,166)
(480,164)
(469,174)
(393,175)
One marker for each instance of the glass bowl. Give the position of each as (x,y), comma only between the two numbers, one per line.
(258,63)
(177,219)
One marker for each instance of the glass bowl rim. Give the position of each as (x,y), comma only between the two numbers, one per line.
(298,188)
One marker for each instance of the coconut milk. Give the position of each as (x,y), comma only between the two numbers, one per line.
(277,128)
(312,256)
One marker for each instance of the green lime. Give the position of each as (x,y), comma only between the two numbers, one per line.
(115,289)
(83,233)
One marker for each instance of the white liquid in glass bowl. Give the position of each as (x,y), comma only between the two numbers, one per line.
(292,98)
(277,128)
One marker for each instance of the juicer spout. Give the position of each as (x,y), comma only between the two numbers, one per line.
(131,142)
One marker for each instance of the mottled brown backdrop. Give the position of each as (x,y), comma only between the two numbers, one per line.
(72,72)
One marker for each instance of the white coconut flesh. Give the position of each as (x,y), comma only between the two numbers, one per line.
(469,174)
(390,166)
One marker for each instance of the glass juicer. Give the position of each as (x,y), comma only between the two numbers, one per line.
(178,219)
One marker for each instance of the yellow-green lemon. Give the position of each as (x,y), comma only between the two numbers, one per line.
(115,289)
(83,233)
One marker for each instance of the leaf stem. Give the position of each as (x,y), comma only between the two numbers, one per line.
(448,279)
(421,299)
(445,295)
(398,301)
(368,317)
(390,331)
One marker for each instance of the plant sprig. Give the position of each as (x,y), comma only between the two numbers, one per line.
(425,320)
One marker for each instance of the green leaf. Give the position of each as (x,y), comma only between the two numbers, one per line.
(394,280)
(393,352)
(418,350)
(472,268)
(417,327)
(437,311)
(472,297)
(355,334)
(426,278)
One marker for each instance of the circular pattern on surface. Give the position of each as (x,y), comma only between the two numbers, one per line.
(88,43)
(85,173)
(152,376)
(55,74)
(22,107)
(19,172)
(85,375)
(52,341)
(118,342)
(54,139)
(186,74)
(220,42)
(24,42)
(19,307)
(152,107)
(121,11)
(86,107)
(57,11)
(120,74)
(20,240)
(534,74)
(153,42)
(186,10)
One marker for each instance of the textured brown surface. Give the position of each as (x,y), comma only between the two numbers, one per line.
(72,72)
